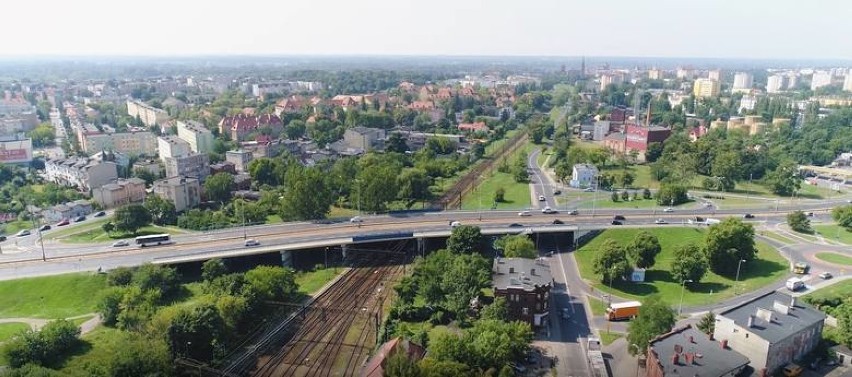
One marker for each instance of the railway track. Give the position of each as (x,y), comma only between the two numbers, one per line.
(338,331)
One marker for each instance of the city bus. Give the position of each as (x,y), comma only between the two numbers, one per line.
(153,240)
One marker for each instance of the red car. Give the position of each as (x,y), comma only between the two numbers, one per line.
(64,222)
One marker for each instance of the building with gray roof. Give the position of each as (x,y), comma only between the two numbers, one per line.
(772,330)
(526,284)
(686,351)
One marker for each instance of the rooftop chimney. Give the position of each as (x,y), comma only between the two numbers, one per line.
(689,358)
(675,359)
(511,270)
(532,272)
(691,339)
(750,320)
(724,344)
(792,302)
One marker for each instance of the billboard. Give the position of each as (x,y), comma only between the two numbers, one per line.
(16,151)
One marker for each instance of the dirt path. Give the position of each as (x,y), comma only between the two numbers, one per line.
(37,323)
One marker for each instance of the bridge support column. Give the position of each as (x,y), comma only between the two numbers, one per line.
(421,246)
(286,258)
(343,249)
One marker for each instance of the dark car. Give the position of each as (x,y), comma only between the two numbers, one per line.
(616,222)
(557,192)
(619,217)
(80,218)
(44,227)
(558,222)
(515,225)
(100,214)
(2,238)
(748,216)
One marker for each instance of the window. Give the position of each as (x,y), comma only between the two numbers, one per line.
(538,306)
(526,311)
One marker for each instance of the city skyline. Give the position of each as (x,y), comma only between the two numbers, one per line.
(659,28)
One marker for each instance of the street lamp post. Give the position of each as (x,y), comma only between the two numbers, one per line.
(595,197)
(358,181)
(682,286)
(737,280)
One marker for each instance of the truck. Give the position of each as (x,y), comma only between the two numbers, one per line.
(622,310)
(703,221)
(801,268)
(795,284)
(595,358)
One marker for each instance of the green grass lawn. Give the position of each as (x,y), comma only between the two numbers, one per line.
(834,232)
(59,296)
(841,289)
(608,337)
(98,235)
(341,212)
(777,237)
(604,200)
(768,267)
(99,348)
(598,307)
(13,227)
(835,258)
(310,282)
(74,228)
(517,195)
(8,330)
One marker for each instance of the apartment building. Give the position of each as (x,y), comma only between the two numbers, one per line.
(821,79)
(240,159)
(743,82)
(172,146)
(686,351)
(184,192)
(775,83)
(200,138)
(195,165)
(150,116)
(240,126)
(706,88)
(364,138)
(81,172)
(525,284)
(129,143)
(122,192)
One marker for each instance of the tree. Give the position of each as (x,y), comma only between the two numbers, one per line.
(163,279)
(138,355)
(430,367)
(377,186)
(614,196)
(784,180)
(271,283)
(130,218)
(406,290)
(307,195)
(396,143)
(45,347)
(399,365)
(655,150)
(726,243)
(727,167)
(707,323)
(518,246)
(195,332)
(610,262)
(799,222)
(627,179)
(162,210)
(643,249)
(108,227)
(672,194)
(465,239)
(499,195)
(108,302)
(145,175)
(843,313)
(44,135)
(843,216)
(414,185)
(266,171)
(498,310)
(689,263)
(655,318)
(625,196)
(218,187)
(212,269)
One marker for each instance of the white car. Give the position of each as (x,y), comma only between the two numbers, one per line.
(121,243)
(541,198)
(589,189)
(548,210)
(251,242)
(524,213)
(660,221)
(356,219)
(455,224)
(668,209)
(22,233)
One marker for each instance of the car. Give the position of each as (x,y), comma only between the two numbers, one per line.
(616,222)
(252,242)
(660,221)
(100,214)
(748,216)
(356,219)
(2,238)
(64,222)
(23,233)
(668,209)
(548,210)
(566,313)
(557,222)
(826,275)
(573,212)
(524,213)
(619,217)
(121,243)
(589,189)
(516,225)
(541,198)
(80,218)
(557,192)
(455,224)
(43,228)
(810,214)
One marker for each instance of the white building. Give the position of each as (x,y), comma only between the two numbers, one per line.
(583,175)
(747,103)
(600,130)
(715,74)
(129,143)
(80,172)
(195,165)
(743,81)
(847,83)
(775,83)
(185,193)
(821,79)
(200,138)
(16,149)
(124,191)
(240,158)
(172,146)
(770,330)
(608,79)
(150,116)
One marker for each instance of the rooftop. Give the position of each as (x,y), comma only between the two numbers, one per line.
(520,272)
(697,355)
(786,319)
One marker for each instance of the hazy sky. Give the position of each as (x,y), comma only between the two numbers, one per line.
(665,28)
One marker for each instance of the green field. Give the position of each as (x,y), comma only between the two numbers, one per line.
(598,307)
(8,330)
(13,227)
(835,258)
(608,337)
(517,195)
(604,200)
(767,268)
(310,282)
(834,232)
(841,289)
(59,296)
(777,237)
(98,234)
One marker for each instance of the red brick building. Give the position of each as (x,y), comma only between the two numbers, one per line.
(525,284)
(638,137)
(241,125)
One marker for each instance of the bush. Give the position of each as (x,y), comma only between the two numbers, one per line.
(45,347)
(120,276)
(164,279)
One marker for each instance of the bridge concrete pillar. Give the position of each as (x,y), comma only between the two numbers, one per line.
(421,246)
(343,249)
(286,258)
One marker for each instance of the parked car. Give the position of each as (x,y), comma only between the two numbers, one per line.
(810,214)
(616,222)
(589,189)
(251,242)
(64,222)
(22,233)
(557,192)
(516,225)
(668,209)
(566,313)
(557,222)
(100,214)
(748,216)
(573,212)
(455,224)
(541,198)
(121,243)
(619,217)
(548,210)
(2,238)
(80,218)
(524,213)
(44,227)
(660,221)
(826,275)
(356,219)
